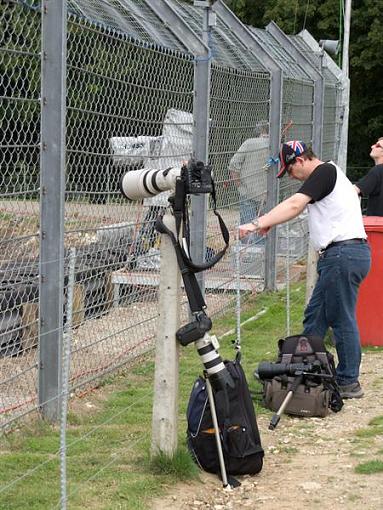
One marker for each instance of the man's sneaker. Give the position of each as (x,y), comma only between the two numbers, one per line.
(353,390)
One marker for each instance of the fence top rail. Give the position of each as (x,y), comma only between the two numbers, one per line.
(315,57)
(142,28)
(137,20)
(290,66)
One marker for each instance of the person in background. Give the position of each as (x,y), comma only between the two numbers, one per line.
(337,233)
(247,171)
(371,185)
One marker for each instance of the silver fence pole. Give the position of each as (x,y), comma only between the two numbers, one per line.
(287,279)
(201,108)
(311,272)
(275,115)
(201,104)
(318,108)
(276,93)
(342,158)
(52,189)
(65,377)
(312,71)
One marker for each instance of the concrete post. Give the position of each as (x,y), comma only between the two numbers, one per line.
(165,403)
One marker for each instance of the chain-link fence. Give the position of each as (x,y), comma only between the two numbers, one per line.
(128,89)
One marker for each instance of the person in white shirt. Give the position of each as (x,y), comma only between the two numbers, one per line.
(337,232)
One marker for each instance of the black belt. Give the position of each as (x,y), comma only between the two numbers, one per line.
(356,240)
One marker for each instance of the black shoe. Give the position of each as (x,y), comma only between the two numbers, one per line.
(353,390)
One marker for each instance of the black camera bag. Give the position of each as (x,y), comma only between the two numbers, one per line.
(314,396)
(241,443)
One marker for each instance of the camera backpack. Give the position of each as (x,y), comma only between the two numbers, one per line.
(314,395)
(241,443)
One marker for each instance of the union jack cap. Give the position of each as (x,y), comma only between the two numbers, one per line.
(288,154)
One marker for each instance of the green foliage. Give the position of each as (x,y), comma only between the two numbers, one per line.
(322,19)
(366,113)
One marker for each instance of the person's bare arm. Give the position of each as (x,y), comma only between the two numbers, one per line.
(285,211)
(357,189)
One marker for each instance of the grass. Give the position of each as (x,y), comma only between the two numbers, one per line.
(375,428)
(366,438)
(108,453)
(370,467)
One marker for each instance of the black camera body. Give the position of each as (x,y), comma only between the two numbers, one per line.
(194,330)
(197,178)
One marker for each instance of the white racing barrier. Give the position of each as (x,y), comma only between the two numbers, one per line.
(134,150)
(161,152)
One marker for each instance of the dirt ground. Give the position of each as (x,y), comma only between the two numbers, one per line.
(309,463)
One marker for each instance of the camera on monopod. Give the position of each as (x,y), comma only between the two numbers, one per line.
(222,433)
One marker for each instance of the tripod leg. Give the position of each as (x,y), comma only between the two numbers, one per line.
(277,416)
(217,437)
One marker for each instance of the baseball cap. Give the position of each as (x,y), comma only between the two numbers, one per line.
(288,154)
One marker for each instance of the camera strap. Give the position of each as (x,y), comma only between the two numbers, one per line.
(187,267)
(180,209)
(192,289)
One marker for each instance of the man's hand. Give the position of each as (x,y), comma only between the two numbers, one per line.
(254,227)
(286,210)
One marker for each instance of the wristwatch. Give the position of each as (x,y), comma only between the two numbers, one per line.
(256,224)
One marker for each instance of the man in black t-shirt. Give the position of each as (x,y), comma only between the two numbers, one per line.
(337,233)
(371,185)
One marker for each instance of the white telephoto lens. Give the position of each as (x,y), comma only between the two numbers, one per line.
(138,184)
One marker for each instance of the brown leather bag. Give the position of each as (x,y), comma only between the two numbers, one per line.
(306,401)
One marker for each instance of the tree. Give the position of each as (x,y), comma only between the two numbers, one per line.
(322,19)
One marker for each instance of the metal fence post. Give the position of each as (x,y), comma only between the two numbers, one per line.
(201,108)
(52,190)
(67,345)
(202,70)
(317,135)
(275,114)
(342,159)
(276,93)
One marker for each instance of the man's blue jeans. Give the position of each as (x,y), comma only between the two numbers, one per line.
(341,269)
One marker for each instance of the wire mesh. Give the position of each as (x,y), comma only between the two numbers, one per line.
(333,90)
(291,68)
(239,152)
(129,109)
(129,18)
(19,212)
(226,48)
(330,124)
(130,96)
